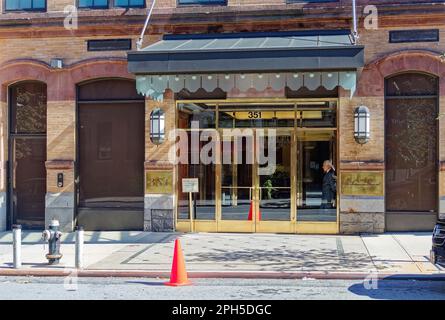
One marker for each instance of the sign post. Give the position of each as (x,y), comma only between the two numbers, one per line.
(190,186)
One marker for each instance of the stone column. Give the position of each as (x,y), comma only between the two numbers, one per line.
(61,146)
(159,204)
(362,168)
(159,207)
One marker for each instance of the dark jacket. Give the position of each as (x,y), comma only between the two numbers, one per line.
(329,188)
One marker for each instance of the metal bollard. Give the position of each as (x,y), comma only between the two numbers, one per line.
(17,246)
(79,247)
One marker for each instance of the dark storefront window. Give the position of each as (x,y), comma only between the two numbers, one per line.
(204,201)
(198,114)
(318,115)
(31,5)
(317,197)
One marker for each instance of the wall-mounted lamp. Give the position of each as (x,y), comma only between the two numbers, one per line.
(362,128)
(157,126)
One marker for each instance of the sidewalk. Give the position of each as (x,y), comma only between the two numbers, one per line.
(231,255)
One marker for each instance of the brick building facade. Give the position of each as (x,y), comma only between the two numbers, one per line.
(89,81)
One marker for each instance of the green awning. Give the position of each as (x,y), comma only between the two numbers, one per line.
(248,53)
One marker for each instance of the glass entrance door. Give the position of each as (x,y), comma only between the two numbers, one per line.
(317,180)
(256,188)
(268,169)
(274,180)
(238,212)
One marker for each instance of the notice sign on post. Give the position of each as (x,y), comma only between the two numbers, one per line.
(190,185)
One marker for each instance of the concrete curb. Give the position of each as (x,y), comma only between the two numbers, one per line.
(219,275)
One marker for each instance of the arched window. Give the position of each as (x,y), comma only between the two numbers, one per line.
(28,108)
(27,152)
(411,84)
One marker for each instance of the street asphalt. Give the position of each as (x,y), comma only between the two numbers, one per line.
(33,288)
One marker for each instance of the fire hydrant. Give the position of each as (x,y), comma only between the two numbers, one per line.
(53,235)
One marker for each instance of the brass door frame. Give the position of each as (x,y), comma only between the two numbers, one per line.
(277,226)
(318,227)
(236,225)
(257,225)
(292,226)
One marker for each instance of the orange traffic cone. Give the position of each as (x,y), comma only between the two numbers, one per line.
(179,274)
(250,217)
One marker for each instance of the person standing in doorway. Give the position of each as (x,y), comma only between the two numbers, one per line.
(329,185)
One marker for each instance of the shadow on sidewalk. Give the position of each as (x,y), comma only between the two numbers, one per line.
(285,259)
(38,265)
(395,288)
(399,233)
(147,283)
